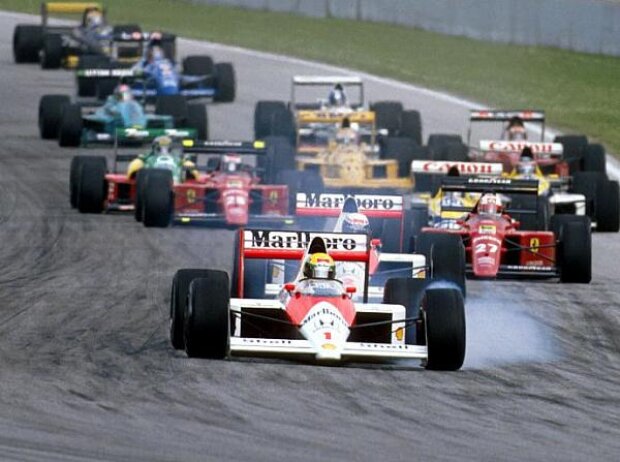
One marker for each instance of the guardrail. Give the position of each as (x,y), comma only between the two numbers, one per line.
(591,26)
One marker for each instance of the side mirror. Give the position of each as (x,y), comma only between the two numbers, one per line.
(350,290)
(375,242)
(289,287)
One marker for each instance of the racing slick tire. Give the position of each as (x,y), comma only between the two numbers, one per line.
(574,249)
(263,116)
(411,126)
(403,150)
(592,186)
(178,301)
(140,177)
(445,257)
(198,120)
(74,175)
(225,82)
(574,147)
(444,314)
(419,220)
(70,129)
(388,116)
(391,228)
(105,87)
(296,181)
(594,159)
(408,292)
(157,198)
(88,86)
(283,124)
(27,41)
(51,51)
(50,113)
(91,186)
(608,210)
(454,152)
(198,65)
(174,106)
(530,222)
(438,140)
(280,156)
(207,317)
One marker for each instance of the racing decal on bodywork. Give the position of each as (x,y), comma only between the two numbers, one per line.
(266,239)
(365,202)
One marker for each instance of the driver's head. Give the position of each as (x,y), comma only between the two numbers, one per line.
(231,163)
(516,129)
(93,17)
(526,166)
(320,266)
(162,145)
(355,223)
(337,97)
(155,52)
(490,204)
(123,93)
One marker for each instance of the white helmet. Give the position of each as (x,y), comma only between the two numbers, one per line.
(490,204)
(355,223)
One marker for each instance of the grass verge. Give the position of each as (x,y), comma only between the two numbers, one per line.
(580,92)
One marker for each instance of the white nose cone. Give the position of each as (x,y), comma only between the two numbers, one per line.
(327,331)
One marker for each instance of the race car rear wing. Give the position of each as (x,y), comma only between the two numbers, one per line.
(140,137)
(255,148)
(538,148)
(502,115)
(330,204)
(325,81)
(441,167)
(65,8)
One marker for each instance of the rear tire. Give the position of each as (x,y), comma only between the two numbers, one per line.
(70,130)
(388,116)
(403,150)
(207,317)
(444,312)
(157,199)
(87,87)
(594,159)
(411,126)
(263,117)
(91,190)
(280,156)
(226,83)
(51,52)
(197,119)
(50,113)
(574,147)
(174,106)
(198,65)
(574,258)
(608,210)
(27,41)
(178,301)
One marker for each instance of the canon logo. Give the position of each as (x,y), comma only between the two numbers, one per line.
(463,167)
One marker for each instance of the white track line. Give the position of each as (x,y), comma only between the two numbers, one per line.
(613,166)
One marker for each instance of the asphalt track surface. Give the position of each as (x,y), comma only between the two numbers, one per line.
(87,373)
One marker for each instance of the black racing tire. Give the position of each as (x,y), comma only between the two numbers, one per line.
(388,116)
(574,147)
(51,51)
(419,220)
(91,187)
(174,106)
(70,129)
(157,200)
(445,257)
(592,186)
(411,126)
(263,116)
(453,152)
(403,150)
(226,83)
(438,140)
(574,250)
(169,45)
(50,113)
(594,158)
(280,156)
(531,222)
(198,65)
(74,175)
(444,312)
(27,41)
(198,120)
(207,317)
(283,124)
(396,235)
(178,301)
(608,209)
(87,87)
(408,292)
(138,209)
(292,179)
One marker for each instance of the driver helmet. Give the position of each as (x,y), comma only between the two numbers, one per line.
(320,266)
(337,96)
(516,129)
(93,17)
(490,204)
(155,53)
(355,223)
(230,163)
(162,145)
(123,93)
(526,166)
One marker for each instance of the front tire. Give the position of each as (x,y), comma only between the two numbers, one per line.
(444,312)
(91,189)
(574,250)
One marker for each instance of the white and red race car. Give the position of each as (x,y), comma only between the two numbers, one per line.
(314,318)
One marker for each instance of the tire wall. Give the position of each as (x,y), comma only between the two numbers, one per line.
(591,26)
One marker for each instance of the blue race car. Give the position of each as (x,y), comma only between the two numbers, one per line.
(76,124)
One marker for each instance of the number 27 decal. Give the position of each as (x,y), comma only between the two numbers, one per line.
(486,248)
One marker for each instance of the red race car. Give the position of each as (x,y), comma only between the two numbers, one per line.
(315,315)
(494,245)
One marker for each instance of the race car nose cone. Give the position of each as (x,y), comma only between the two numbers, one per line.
(326,329)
